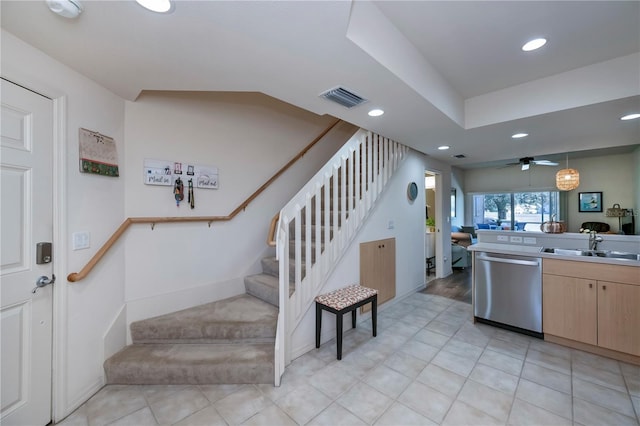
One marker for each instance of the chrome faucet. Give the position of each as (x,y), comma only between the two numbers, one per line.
(594,239)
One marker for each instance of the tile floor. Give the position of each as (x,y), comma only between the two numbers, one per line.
(429,365)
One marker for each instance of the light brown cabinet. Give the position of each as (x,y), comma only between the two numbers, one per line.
(378,268)
(592,303)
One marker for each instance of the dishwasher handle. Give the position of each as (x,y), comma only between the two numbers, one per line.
(511,261)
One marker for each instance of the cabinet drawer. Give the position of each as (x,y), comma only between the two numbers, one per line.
(595,271)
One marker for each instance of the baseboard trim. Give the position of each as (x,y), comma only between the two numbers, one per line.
(84,396)
(620,356)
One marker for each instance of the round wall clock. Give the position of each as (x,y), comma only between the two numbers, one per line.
(412,191)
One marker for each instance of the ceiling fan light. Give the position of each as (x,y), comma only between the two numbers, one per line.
(567,179)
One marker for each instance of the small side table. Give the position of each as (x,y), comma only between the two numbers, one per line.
(342,301)
(431,264)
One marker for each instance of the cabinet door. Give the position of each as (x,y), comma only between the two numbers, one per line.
(569,308)
(619,317)
(378,269)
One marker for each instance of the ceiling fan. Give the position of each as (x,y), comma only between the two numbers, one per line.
(525,162)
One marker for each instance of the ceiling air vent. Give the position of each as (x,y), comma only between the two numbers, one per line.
(344,97)
(459,156)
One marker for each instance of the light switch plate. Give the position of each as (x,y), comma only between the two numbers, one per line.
(515,239)
(81,240)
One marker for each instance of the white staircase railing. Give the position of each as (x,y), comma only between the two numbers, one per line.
(321,220)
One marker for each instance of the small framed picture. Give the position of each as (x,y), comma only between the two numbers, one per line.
(590,202)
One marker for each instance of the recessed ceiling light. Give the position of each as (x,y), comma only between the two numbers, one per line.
(376,112)
(534,44)
(444,147)
(160,6)
(520,135)
(630,117)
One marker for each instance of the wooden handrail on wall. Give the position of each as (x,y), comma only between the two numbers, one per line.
(77,276)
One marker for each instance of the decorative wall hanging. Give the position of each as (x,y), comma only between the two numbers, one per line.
(590,202)
(164,173)
(98,153)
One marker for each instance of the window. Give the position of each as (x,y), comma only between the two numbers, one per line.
(522,211)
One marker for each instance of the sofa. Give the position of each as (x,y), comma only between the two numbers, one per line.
(460,257)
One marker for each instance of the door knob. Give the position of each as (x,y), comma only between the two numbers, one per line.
(44,281)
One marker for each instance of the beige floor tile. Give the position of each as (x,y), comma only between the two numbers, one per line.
(304,403)
(332,380)
(179,405)
(336,415)
(490,401)
(77,418)
(356,364)
(113,402)
(599,376)
(429,337)
(636,405)
(142,417)
(515,350)
(426,401)
(455,363)
(443,328)
(596,361)
(549,348)
(399,414)
(288,383)
(525,414)
(365,402)
(560,365)
(590,414)
(406,329)
(463,349)
(375,350)
(494,378)
(442,380)
(513,337)
(547,377)
(549,399)
(154,393)
(242,404)
(216,392)
(463,414)
(420,350)
(473,336)
(272,415)
(405,364)
(603,396)
(306,365)
(387,381)
(208,416)
(501,361)
(631,374)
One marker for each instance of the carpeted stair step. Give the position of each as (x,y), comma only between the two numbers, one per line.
(265,287)
(241,318)
(162,364)
(270,266)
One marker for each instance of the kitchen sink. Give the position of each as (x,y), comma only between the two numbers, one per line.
(596,253)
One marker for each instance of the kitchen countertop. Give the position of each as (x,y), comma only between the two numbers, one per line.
(536,251)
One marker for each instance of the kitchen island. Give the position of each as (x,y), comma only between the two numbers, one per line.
(579,299)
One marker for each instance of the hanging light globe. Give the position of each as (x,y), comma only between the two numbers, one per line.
(567,179)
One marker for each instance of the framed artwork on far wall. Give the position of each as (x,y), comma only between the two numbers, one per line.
(590,202)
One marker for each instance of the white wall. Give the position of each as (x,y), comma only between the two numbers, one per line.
(93,204)
(248,137)
(616,176)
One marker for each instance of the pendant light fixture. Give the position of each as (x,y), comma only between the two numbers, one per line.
(567,179)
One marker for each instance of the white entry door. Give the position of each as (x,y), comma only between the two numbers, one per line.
(27,219)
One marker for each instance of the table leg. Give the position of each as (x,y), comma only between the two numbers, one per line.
(339,334)
(374,315)
(318,324)
(353,318)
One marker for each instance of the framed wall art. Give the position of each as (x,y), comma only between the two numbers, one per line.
(590,202)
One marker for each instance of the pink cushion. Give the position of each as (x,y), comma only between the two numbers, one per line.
(343,297)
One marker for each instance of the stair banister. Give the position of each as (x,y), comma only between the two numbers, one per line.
(77,276)
(348,185)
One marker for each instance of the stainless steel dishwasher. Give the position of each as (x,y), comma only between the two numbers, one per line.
(508,291)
